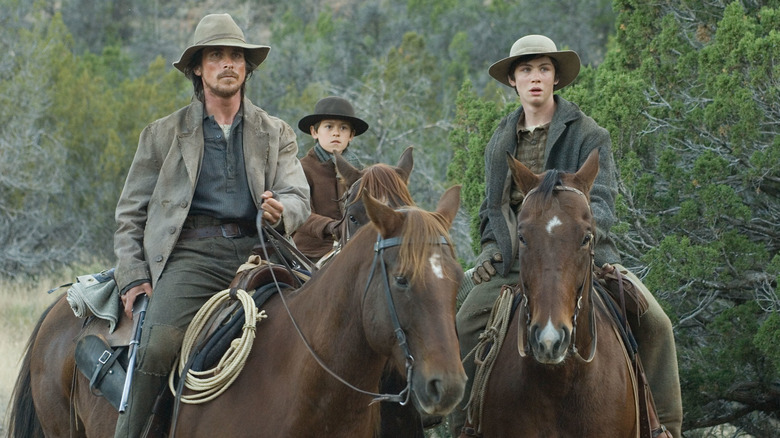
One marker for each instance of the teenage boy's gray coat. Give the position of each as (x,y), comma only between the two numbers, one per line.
(571,137)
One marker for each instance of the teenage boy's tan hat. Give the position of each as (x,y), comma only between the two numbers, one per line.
(568,60)
(333,107)
(221,30)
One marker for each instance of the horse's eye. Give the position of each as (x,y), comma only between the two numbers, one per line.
(587,239)
(401,281)
(353,219)
(521,239)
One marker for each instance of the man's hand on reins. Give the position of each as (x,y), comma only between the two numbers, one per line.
(272,208)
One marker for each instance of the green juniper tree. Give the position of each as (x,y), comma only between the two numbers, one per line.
(689,92)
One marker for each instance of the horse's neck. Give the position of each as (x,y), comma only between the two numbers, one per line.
(328,308)
(328,311)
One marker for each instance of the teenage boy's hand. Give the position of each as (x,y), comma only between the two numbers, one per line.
(484,268)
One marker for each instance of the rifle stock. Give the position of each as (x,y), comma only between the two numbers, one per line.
(139,311)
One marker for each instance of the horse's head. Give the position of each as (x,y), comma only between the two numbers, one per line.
(408,309)
(385,183)
(556,233)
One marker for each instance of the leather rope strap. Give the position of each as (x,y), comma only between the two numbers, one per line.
(485,353)
(208,384)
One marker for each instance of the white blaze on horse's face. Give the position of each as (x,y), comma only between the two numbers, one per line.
(554,222)
(435,262)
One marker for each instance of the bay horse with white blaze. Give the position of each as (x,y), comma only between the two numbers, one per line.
(562,369)
(389,295)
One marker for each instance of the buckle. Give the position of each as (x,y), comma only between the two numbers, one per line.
(230,230)
(104,357)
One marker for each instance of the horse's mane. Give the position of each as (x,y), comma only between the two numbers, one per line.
(420,228)
(545,190)
(384,184)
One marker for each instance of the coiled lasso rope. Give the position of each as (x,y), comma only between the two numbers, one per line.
(489,345)
(209,384)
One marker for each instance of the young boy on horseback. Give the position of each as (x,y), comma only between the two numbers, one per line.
(333,127)
(548,132)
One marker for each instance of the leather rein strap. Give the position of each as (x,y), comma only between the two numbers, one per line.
(381,244)
(281,240)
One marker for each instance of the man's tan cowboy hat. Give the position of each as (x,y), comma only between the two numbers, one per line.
(568,60)
(221,30)
(333,108)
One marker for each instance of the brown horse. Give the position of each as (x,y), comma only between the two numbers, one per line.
(388,184)
(389,295)
(562,370)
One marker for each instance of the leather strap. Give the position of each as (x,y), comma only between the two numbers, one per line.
(469,431)
(277,241)
(102,367)
(650,424)
(230,230)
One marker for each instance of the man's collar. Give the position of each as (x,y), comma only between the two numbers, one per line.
(236,119)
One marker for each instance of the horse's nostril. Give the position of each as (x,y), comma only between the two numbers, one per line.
(534,334)
(435,390)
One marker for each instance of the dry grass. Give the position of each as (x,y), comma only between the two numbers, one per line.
(23,304)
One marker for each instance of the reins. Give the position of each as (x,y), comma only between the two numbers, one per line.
(402,397)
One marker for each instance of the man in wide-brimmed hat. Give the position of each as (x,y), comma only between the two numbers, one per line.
(548,132)
(202,181)
(333,125)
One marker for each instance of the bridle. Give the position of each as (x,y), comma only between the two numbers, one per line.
(523,347)
(344,222)
(381,244)
(404,396)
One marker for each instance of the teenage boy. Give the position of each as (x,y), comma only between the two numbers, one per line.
(549,132)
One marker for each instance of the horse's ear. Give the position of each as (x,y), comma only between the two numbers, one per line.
(587,173)
(523,177)
(383,217)
(406,164)
(449,204)
(348,172)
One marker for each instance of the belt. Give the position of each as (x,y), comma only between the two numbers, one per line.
(231,230)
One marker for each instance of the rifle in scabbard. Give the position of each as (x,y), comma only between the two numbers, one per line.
(139,311)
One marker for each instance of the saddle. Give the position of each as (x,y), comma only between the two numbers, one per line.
(265,280)
(222,328)
(649,424)
(621,288)
(226,324)
(101,352)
